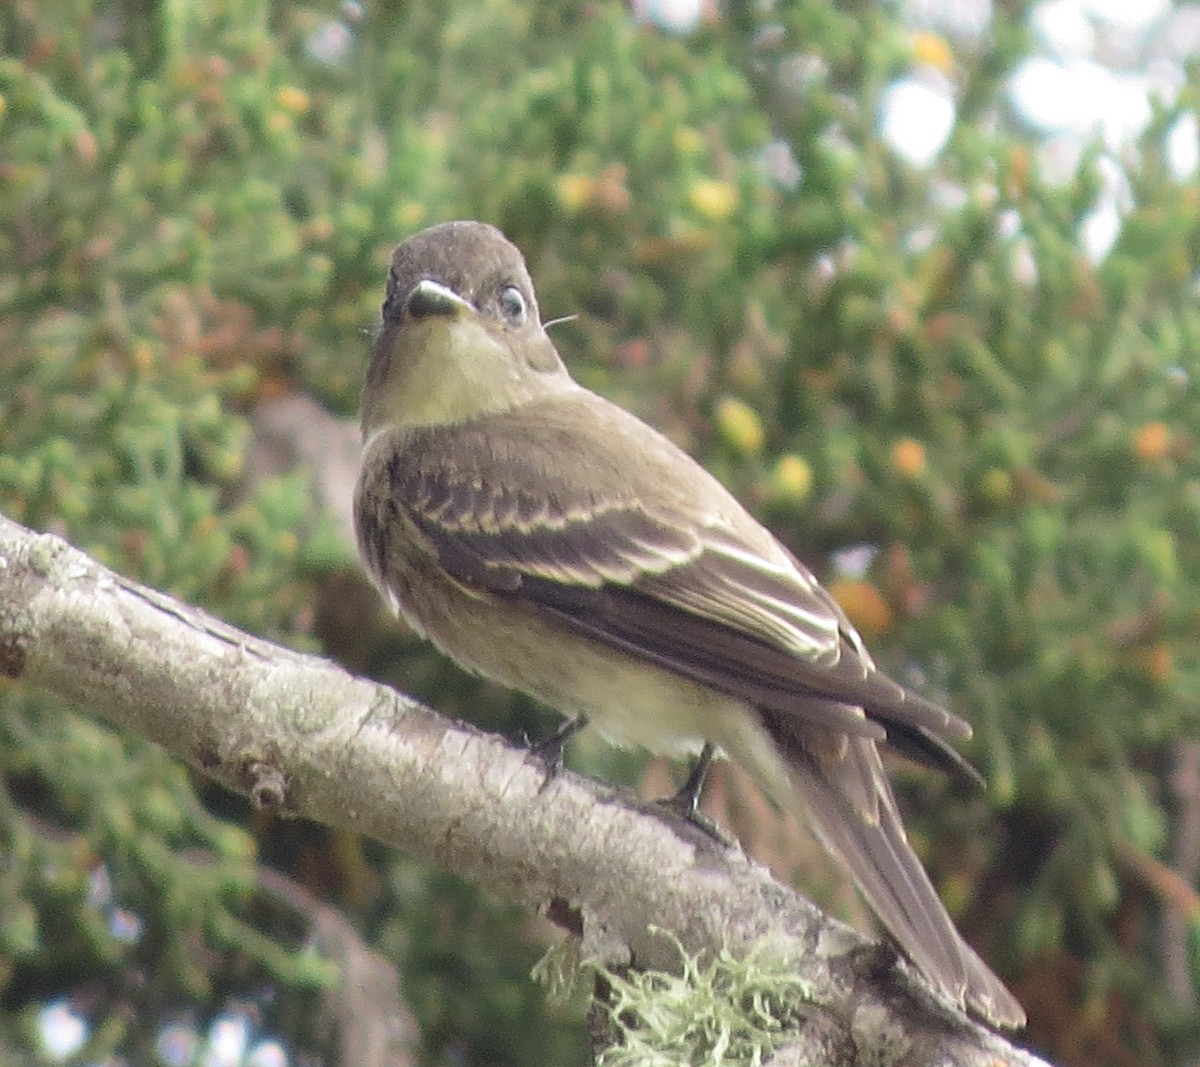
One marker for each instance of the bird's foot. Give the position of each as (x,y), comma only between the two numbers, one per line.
(549,750)
(693,817)
(685,804)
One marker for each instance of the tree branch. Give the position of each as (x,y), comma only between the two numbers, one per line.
(303,736)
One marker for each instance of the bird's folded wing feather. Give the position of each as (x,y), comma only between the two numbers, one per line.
(609,546)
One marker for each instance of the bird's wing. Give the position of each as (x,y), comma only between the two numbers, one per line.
(547,513)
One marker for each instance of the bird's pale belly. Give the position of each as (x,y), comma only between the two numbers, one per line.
(631,702)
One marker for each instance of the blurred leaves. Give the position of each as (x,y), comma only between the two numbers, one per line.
(197,206)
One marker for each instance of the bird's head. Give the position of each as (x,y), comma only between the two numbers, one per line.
(460,336)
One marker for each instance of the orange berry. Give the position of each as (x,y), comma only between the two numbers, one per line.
(864,604)
(908,457)
(1157,662)
(1152,441)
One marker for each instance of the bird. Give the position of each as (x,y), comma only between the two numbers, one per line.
(549,540)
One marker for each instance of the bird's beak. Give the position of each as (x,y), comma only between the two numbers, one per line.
(429,298)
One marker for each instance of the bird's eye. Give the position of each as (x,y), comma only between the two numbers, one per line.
(512,304)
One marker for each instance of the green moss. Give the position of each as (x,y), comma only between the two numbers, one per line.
(723,1011)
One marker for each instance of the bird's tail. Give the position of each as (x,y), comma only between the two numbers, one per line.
(849,802)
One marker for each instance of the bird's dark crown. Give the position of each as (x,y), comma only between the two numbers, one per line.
(473,259)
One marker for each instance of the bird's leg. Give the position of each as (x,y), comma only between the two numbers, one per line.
(686,803)
(549,750)
(687,800)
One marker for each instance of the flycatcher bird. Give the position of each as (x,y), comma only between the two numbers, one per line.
(550,541)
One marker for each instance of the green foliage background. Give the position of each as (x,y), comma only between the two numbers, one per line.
(196,215)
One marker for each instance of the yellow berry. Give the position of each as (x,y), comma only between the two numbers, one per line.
(792,478)
(997,485)
(574,191)
(712,199)
(688,140)
(740,425)
(292,99)
(932,50)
